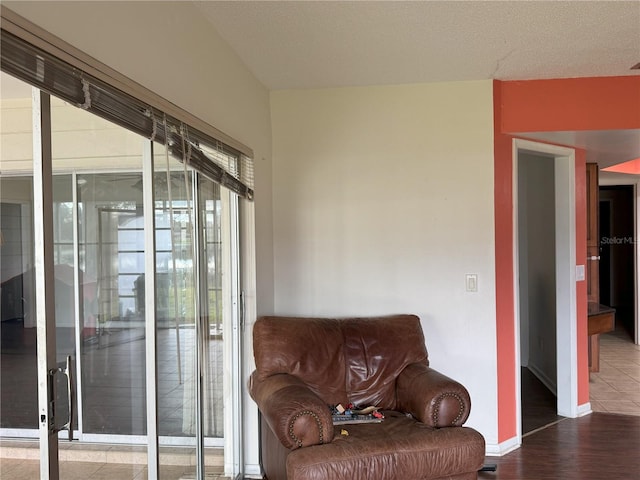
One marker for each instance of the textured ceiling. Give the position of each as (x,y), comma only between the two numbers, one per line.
(313,44)
(318,44)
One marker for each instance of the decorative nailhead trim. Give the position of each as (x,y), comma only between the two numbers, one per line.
(436,411)
(297,441)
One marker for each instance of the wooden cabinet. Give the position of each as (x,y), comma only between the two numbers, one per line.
(593,234)
(601,319)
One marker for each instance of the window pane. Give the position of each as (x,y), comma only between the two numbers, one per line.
(113,323)
(18,361)
(108,162)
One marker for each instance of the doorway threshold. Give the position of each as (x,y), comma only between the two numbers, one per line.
(544,426)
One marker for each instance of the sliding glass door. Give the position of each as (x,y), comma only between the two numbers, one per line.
(196,311)
(139,321)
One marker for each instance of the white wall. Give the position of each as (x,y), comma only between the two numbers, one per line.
(170,49)
(383,201)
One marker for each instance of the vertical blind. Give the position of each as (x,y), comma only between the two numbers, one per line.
(227,165)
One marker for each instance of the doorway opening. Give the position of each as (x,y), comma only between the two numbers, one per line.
(545,290)
(617,254)
(537,289)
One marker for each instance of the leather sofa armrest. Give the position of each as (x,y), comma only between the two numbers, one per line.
(297,416)
(431,397)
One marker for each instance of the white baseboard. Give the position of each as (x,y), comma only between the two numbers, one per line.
(252,470)
(584,409)
(500,449)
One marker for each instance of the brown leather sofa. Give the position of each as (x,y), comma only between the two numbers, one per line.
(304,365)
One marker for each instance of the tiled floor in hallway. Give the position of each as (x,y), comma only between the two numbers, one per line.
(616,387)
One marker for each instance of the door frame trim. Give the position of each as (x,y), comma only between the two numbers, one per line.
(566,299)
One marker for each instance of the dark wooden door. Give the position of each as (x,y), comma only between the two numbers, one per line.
(593,234)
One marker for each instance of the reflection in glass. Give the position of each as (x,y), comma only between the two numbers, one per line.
(18,332)
(18,375)
(211,209)
(111,244)
(176,294)
(18,360)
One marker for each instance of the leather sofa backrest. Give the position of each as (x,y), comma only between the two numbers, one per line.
(342,360)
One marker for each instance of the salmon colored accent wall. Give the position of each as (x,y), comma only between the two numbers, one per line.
(598,103)
(547,105)
(505,324)
(581,287)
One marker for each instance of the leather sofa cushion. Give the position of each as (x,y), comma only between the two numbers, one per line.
(341,360)
(309,350)
(400,447)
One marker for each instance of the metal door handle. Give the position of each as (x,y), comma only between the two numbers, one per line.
(594,257)
(68,371)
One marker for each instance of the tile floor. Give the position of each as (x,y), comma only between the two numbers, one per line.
(19,459)
(616,388)
(18,469)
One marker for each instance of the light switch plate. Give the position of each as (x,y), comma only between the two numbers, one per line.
(471,282)
(580,273)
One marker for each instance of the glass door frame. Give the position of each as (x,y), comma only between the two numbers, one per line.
(44,278)
(233,423)
(234,428)
(49,432)
(231,330)
(151,335)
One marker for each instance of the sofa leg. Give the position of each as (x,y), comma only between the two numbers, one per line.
(489,467)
